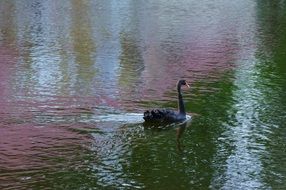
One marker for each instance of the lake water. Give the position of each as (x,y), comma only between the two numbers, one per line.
(76,76)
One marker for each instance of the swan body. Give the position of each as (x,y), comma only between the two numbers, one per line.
(165,115)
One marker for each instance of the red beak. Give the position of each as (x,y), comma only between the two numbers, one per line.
(188,85)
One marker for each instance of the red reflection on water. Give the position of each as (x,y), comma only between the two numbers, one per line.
(199,59)
(27,146)
(8,59)
(25,143)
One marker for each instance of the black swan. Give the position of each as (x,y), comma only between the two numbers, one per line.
(168,116)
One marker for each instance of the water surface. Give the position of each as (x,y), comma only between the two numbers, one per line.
(76,76)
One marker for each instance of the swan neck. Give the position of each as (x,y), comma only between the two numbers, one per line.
(181,105)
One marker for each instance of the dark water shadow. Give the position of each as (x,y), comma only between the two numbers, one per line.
(180,128)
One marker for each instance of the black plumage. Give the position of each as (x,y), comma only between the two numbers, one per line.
(165,115)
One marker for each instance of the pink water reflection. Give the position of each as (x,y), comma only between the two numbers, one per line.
(28,146)
(87,63)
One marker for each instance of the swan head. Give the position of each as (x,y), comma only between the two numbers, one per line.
(183,82)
